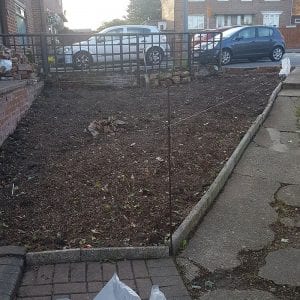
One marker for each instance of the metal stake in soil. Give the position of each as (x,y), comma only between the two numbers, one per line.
(170,170)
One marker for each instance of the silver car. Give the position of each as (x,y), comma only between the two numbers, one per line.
(119,44)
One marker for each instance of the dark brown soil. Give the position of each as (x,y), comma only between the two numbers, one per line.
(60,187)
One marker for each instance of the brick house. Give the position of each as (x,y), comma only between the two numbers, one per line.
(204,14)
(26,16)
(296,13)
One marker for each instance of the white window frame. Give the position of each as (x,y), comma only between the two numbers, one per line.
(297,20)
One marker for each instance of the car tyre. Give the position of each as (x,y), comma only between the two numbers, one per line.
(82,60)
(226,57)
(154,56)
(277,54)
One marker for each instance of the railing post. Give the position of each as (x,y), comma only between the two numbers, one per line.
(138,60)
(44,49)
(189,52)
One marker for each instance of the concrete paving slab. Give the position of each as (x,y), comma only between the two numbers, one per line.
(271,138)
(190,270)
(292,81)
(238,295)
(290,93)
(279,141)
(239,219)
(282,267)
(290,195)
(283,115)
(263,163)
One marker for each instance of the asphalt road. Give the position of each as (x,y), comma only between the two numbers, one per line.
(294,57)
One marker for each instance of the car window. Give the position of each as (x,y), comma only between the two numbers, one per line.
(109,38)
(265,32)
(247,33)
(139,30)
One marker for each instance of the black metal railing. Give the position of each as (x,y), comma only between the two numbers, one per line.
(134,53)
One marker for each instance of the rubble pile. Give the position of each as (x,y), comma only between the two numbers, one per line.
(15,65)
(108,126)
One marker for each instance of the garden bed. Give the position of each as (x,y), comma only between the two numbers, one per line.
(63,188)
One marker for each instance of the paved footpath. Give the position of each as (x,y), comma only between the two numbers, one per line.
(82,281)
(248,245)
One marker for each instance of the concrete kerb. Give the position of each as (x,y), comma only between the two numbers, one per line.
(191,221)
(96,254)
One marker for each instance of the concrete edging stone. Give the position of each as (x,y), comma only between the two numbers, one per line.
(11,270)
(200,209)
(96,254)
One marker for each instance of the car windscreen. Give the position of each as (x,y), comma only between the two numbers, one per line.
(227,33)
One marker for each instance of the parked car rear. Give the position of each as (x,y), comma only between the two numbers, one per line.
(250,42)
(119,44)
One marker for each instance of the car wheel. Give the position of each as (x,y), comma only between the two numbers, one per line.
(82,60)
(226,57)
(154,56)
(276,54)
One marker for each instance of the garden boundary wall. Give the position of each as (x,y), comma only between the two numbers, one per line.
(16,98)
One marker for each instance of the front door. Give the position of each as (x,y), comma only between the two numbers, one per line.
(271,19)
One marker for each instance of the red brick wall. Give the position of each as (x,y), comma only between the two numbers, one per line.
(36,15)
(9,17)
(13,105)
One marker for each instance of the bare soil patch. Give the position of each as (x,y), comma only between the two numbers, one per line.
(61,187)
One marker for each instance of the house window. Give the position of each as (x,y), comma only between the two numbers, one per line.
(223,20)
(297,21)
(196,22)
(220,21)
(21,22)
(247,20)
(244,20)
(271,18)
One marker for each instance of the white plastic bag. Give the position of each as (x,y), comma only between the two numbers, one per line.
(116,290)
(7,64)
(285,67)
(156,294)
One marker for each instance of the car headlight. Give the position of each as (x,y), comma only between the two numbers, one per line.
(67,50)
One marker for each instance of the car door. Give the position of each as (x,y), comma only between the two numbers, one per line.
(244,43)
(265,41)
(109,45)
(138,39)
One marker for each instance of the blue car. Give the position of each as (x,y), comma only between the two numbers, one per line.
(243,42)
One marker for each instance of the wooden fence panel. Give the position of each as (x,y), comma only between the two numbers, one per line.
(291,36)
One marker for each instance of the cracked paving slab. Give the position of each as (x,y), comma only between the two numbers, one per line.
(282,267)
(283,115)
(223,294)
(262,163)
(279,141)
(290,195)
(239,219)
